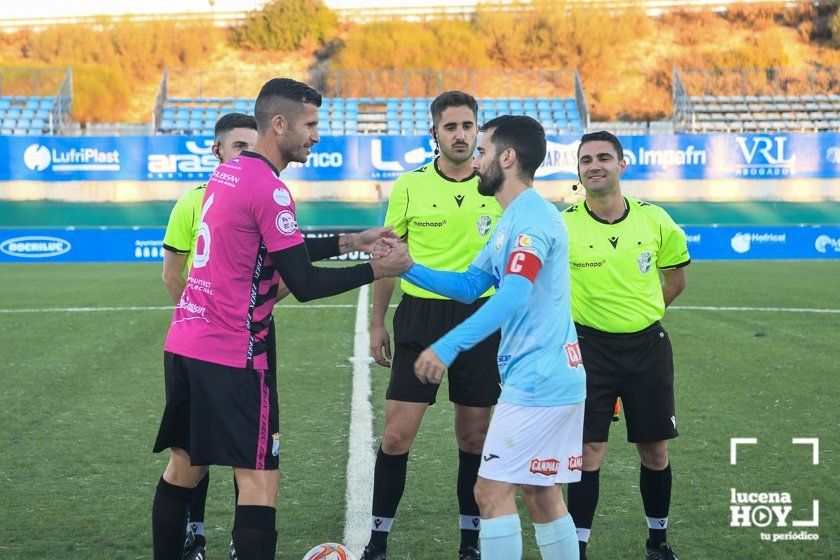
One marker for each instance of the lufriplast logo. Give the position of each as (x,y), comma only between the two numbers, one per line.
(38,157)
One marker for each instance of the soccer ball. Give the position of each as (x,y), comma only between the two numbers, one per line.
(330,551)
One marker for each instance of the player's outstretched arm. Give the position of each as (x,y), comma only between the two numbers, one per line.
(510,298)
(321,248)
(465,287)
(307,282)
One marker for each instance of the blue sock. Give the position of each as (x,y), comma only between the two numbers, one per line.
(501,538)
(558,540)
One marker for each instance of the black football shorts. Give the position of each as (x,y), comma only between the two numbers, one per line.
(418,323)
(639,368)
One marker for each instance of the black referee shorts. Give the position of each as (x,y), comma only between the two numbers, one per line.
(221,415)
(639,368)
(418,323)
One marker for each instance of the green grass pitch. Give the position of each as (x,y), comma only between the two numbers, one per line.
(82,394)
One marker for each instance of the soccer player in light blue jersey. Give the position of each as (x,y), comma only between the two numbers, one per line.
(535,437)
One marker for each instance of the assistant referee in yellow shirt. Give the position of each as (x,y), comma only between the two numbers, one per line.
(438,211)
(618,248)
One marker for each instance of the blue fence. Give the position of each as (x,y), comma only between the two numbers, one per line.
(146,244)
(340,158)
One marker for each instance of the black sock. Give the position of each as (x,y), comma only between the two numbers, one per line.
(255,533)
(169,514)
(235,491)
(388,486)
(655,487)
(468,464)
(195,523)
(583,500)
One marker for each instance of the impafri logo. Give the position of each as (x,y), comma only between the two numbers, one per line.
(765,156)
(35,246)
(664,159)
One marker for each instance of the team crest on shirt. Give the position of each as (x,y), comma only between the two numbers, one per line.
(644,261)
(282,197)
(286,222)
(485,224)
(275,445)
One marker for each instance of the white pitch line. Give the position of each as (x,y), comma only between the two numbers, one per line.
(361,459)
(280,306)
(164,308)
(770,309)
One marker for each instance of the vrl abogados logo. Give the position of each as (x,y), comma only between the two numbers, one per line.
(773,509)
(765,156)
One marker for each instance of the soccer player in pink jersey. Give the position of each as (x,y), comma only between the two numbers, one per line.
(215,363)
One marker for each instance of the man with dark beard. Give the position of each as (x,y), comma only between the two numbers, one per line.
(535,438)
(438,212)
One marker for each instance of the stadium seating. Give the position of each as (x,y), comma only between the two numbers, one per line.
(764,113)
(347,116)
(26,115)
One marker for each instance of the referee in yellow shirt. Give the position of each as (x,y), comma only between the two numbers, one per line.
(438,211)
(618,248)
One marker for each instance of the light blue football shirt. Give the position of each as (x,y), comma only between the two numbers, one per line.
(539,358)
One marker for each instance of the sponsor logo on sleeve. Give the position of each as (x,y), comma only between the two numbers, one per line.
(282,196)
(523,240)
(286,222)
